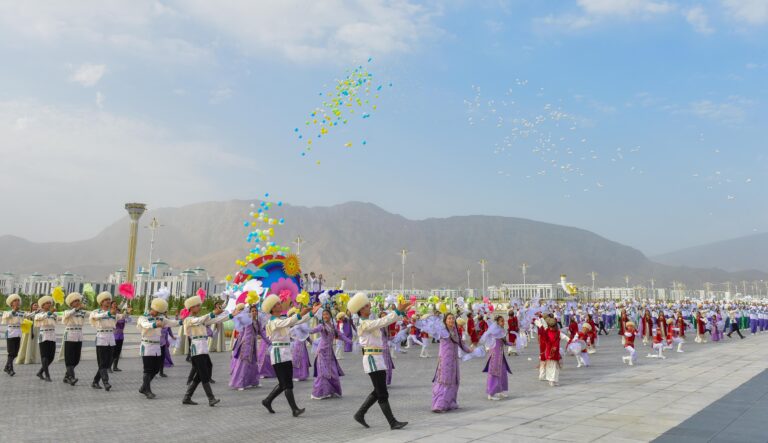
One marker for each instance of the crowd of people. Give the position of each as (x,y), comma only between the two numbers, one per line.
(276,338)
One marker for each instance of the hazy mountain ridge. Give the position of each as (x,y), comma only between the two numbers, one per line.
(361,242)
(739,254)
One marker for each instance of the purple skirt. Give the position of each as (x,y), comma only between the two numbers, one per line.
(244,374)
(444,396)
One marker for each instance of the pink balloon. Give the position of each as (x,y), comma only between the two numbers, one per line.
(126,290)
(241,298)
(413,299)
(201,293)
(184,313)
(410,313)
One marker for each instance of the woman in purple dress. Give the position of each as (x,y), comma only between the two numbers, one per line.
(299,353)
(347,327)
(445,384)
(119,337)
(265,365)
(387,351)
(327,369)
(497,367)
(166,336)
(245,365)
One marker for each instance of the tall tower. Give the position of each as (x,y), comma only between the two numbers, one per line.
(135,210)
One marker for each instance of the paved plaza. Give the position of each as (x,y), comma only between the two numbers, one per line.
(693,396)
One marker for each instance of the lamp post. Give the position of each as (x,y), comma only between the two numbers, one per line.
(154,225)
(135,210)
(524,267)
(592,274)
(403,254)
(298,242)
(483,262)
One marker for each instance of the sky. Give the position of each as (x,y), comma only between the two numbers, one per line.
(640,120)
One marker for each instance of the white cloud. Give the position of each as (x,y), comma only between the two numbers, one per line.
(731,111)
(317,30)
(81,163)
(594,12)
(699,20)
(752,12)
(220,95)
(298,30)
(88,74)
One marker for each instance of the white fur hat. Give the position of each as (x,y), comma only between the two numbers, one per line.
(159,305)
(45,299)
(73,297)
(103,296)
(587,326)
(357,302)
(12,298)
(193,301)
(269,303)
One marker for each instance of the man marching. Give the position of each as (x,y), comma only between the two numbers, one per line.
(151,326)
(195,327)
(73,321)
(369,335)
(12,319)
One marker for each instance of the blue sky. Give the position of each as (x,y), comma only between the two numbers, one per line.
(658,143)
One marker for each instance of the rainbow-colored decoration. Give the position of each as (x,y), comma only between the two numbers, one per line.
(274,266)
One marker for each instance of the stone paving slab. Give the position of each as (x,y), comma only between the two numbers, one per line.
(605,401)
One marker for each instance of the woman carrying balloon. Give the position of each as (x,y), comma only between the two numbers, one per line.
(445,384)
(327,369)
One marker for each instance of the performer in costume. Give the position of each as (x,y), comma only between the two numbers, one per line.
(414,334)
(104,319)
(445,384)
(299,353)
(166,337)
(278,330)
(647,324)
(29,352)
(552,351)
(46,319)
(734,316)
(73,321)
(245,362)
(151,326)
(623,319)
(658,344)
(513,329)
(327,374)
(12,320)
(369,336)
(387,351)
(119,336)
(701,327)
(340,344)
(628,340)
(472,330)
(497,383)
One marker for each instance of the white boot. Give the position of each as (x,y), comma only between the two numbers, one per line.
(578,361)
(680,347)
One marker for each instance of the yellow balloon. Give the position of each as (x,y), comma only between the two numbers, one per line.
(26,326)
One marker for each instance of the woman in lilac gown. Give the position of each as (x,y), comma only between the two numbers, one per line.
(244,371)
(347,328)
(265,365)
(445,384)
(299,353)
(166,335)
(387,350)
(327,369)
(497,367)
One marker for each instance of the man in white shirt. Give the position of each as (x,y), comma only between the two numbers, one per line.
(369,336)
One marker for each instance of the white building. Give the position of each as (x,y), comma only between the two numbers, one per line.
(9,284)
(528,291)
(185,283)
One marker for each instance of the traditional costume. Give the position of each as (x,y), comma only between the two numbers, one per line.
(104,322)
(151,327)
(497,382)
(244,369)
(12,320)
(46,339)
(327,369)
(73,321)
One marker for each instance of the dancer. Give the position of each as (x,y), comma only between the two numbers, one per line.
(151,326)
(647,327)
(497,383)
(117,350)
(29,352)
(278,330)
(425,340)
(701,327)
(628,340)
(734,315)
(445,384)
(387,351)
(340,344)
(414,333)
(104,319)
(299,353)
(658,344)
(369,336)
(13,320)
(46,319)
(166,338)
(552,351)
(578,344)
(73,321)
(327,374)
(472,330)
(245,365)
(513,329)
(195,327)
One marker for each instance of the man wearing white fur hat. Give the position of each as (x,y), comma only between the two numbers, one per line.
(104,320)
(195,327)
(369,336)
(73,320)
(279,331)
(151,326)
(12,319)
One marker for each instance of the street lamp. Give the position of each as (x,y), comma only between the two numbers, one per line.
(483,262)
(298,242)
(403,254)
(154,225)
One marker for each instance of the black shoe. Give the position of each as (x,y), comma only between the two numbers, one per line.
(107,386)
(114,366)
(267,402)
(95,385)
(292,403)
(188,395)
(212,401)
(360,414)
(188,401)
(48,378)
(393,423)
(162,374)
(40,375)
(12,372)
(213,382)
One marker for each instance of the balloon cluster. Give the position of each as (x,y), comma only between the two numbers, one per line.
(353,95)
(262,233)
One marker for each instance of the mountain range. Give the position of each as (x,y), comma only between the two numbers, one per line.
(739,254)
(361,242)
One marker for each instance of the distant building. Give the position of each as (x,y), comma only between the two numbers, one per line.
(528,291)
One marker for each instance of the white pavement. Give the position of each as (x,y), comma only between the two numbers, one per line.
(632,404)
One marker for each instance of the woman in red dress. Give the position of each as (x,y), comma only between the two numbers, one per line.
(513,329)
